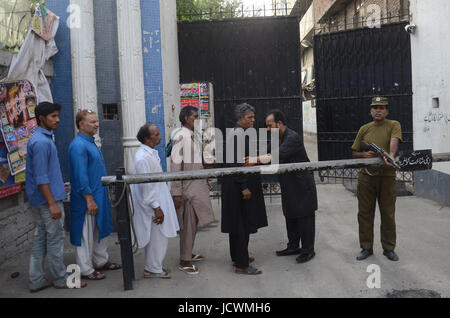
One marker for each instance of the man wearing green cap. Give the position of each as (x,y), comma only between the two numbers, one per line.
(377,183)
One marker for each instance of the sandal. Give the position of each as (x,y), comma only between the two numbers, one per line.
(191,270)
(47,284)
(82,285)
(197,257)
(108,266)
(94,276)
(248,271)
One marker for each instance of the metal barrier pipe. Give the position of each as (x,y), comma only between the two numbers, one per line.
(263,169)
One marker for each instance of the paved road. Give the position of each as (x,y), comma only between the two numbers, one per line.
(423,248)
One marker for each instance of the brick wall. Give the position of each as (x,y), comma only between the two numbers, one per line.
(16,227)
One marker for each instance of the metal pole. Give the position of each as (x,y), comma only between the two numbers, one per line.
(124,233)
(276,169)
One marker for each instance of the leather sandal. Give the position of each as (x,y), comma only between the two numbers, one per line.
(94,276)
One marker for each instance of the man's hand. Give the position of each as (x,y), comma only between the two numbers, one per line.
(159,216)
(177,201)
(246,194)
(250,161)
(92,207)
(55,211)
(369,154)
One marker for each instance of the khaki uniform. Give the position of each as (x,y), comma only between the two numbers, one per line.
(377,184)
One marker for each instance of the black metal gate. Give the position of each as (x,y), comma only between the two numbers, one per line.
(253,60)
(352,66)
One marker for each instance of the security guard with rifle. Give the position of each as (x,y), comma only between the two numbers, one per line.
(382,137)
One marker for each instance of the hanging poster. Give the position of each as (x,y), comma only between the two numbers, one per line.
(18,121)
(43,21)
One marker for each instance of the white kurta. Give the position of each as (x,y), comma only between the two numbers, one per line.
(147,196)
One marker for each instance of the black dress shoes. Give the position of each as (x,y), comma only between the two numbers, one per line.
(303,258)
(288,251)
(364,254)
(391,255)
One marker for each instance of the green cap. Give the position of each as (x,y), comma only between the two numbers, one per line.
(379,100)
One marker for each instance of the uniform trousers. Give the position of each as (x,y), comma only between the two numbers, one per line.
(155,250)
(188,229)
(371,189)
(301,229)
(91,253)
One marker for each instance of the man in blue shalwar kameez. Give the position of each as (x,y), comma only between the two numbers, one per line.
(90,216)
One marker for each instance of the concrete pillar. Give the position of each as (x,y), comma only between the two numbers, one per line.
(131,76)
(84,81)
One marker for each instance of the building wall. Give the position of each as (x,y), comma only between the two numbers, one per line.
(16,226)
(108,81)
(430,45)
(153,77)
(170,68)
(350,17)
(61,84)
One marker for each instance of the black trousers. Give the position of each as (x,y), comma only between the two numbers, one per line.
(301,229)
(239,239)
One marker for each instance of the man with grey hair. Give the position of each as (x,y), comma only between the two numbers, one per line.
(243,208)
(191,197)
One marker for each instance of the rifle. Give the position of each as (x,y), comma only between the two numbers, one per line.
(381,153)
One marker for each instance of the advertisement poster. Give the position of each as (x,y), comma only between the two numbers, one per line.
(18,121)
(8,185)
(199,95)
(190,95)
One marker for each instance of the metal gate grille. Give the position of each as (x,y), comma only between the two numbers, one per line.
(351,67)
(254,60)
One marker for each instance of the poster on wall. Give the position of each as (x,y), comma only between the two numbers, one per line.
(200,96)
(189,95)
(8,184)
(17,121)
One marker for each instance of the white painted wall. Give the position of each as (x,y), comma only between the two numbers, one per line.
(430,47)
(170,66)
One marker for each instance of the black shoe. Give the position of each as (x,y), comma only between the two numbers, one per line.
(288,251)
(364,254)
(390,255)
(303,258)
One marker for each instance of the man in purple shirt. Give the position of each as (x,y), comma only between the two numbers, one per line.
(45,191)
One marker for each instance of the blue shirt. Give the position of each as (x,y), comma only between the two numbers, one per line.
(42,167)
(86,171)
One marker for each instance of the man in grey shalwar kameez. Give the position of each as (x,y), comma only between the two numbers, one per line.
(191,197)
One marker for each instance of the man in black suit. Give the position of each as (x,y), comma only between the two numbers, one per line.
(298,190)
